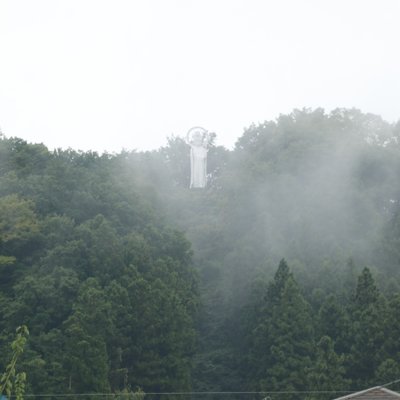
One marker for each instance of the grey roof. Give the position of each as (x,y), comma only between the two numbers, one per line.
(374,393)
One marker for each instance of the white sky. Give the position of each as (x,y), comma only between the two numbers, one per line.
(107,75)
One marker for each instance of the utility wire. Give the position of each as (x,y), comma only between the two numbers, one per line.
(390,383)
(200,393)
(186,393)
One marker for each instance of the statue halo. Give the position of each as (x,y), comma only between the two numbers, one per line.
(195,131)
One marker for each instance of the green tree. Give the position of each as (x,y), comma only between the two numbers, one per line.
(283,344)
(328,371)
(86,331)
(18,227)
(388,371)
(333,321)
(11,382)
(368,313)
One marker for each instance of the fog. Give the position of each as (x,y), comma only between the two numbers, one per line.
(313,187)
(186,274)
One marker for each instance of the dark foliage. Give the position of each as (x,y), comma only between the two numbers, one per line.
(126,278)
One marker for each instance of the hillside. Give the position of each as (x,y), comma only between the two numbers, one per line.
(282,275)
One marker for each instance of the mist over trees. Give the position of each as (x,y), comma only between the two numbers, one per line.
(282,275)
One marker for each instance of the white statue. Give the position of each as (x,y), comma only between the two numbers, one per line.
(198,139)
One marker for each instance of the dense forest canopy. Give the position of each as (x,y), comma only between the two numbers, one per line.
(282,275)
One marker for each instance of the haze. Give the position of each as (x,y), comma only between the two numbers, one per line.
(107,75)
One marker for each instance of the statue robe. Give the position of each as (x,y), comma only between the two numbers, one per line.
(198,164)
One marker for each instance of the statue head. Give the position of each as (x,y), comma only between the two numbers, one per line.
(197,137)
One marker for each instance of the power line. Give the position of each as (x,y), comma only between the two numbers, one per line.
(201,393)
(390,383)
(187,393)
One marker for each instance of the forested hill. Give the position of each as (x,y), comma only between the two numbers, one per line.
(107,290)
(282,275)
